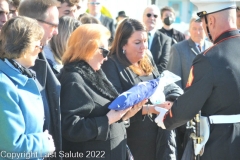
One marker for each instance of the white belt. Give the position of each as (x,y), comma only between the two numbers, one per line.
(218,119)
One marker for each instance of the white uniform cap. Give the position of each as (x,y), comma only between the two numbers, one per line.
(212,6)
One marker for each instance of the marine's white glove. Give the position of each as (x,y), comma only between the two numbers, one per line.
(159,118)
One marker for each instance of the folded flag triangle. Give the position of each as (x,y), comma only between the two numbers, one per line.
(134,95)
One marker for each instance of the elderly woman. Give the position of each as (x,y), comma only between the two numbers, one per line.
(130,63)
(21,106)
(88,126)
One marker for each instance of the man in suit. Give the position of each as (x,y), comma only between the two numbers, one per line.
(158,43)
(46,13)
(94,7)
(183,53)
(180,62)
(168,18)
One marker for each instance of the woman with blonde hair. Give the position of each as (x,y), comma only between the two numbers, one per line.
(88,126)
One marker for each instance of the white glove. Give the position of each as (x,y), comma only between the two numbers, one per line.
(159,118)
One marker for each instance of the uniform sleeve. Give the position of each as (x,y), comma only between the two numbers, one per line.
(14,138)
(76,105)
(200,86)
(174,64)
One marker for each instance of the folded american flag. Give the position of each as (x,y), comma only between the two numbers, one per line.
(134,95)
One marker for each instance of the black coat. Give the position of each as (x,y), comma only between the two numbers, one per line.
(49,87)
(215,90)
(145,139)
(85,97)
(177,36)
(160,50)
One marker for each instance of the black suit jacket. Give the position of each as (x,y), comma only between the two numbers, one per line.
(160,50)
(109,23)
(49,87)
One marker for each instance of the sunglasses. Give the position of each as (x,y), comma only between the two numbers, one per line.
(105,52)
(49,23)
(154,15)
(94,3)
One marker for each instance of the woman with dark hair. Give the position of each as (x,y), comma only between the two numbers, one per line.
(21,106)
(130,63)
(88,126)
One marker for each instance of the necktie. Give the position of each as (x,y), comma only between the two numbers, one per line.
(149,36)
(199,47)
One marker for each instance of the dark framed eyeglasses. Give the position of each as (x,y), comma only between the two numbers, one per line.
(49,23)
(150,15)
(94,3)
(105,52)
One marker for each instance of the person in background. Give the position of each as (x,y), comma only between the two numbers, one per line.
(87,18)
(87,123)
(4,11)
(130,63)
(57,45)
(21,123)
(214,84)
(158,43)
(181,57)
(183,53)
(94,7)
(46,13)
(13,6)
(81,8)
(238,16)
(121,16)
(168,17)
(68,8)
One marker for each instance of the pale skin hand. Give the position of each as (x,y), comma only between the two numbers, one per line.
(134,110)
(114,116)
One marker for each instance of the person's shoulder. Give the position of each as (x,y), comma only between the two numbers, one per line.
(183,43)
(106,18)
(161,34)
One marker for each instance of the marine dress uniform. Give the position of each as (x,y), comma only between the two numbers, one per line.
(214,88)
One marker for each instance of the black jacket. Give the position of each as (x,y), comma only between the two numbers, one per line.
(160,50)
(49,87)
(85,97)
(145,139)
(177,36)
(214,88)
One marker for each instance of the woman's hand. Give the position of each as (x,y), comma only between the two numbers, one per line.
(134,110)
(50,142)
(114,116)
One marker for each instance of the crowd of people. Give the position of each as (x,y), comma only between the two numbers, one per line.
(62,63)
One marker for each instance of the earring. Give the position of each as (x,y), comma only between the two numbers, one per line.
(124,51)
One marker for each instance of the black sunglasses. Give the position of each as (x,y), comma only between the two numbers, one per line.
(154,15)
(49,23)
(105,52)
